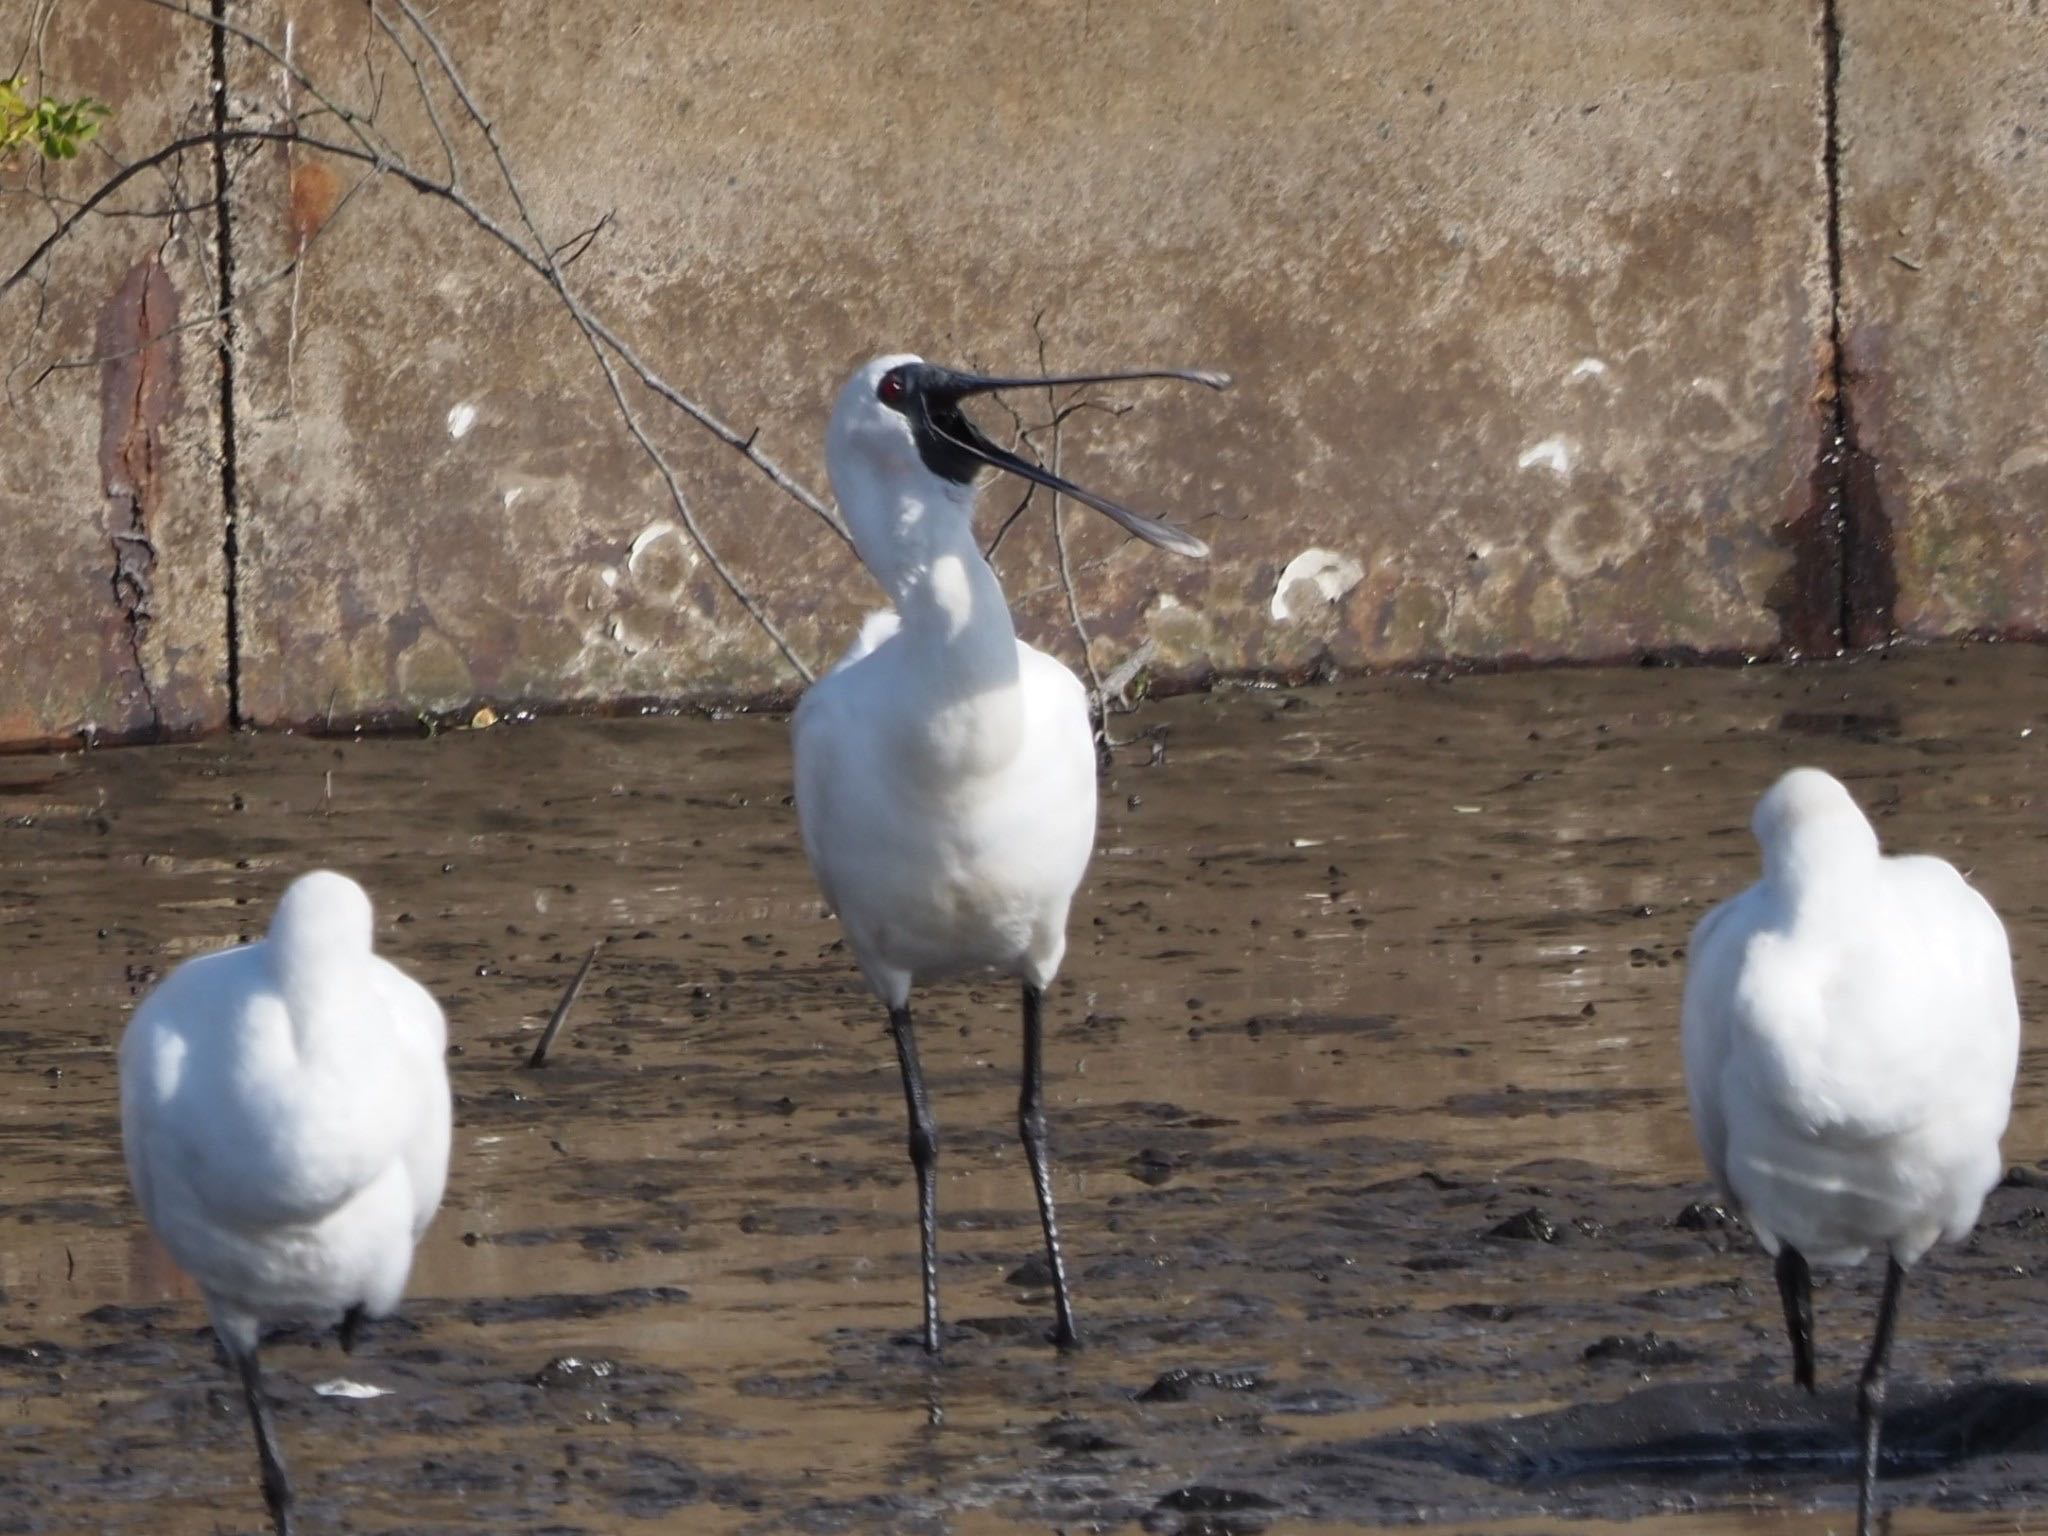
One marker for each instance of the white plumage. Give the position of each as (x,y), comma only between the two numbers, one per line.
(1851,1037)
(945,770)
(285,1114)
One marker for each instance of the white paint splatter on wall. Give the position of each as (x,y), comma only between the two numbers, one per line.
(1331,574)
(1553,454)
(645,538)
(460,420)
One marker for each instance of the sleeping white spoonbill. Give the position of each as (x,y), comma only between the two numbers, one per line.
(945,770)
(1851,1034)
(285,1113)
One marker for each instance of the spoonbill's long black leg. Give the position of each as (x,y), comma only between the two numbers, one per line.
(924,1157)
(1795,1288)
(1031,1123)
(1870,1395)
(277,1488)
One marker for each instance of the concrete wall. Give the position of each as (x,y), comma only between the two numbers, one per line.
(1945,301)
(113,618)
(1531,309)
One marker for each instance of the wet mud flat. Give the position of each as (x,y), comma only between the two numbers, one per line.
(1372,1149)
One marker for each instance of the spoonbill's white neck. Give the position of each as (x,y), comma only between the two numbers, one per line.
(1821,857)
(917,538)
(317,948)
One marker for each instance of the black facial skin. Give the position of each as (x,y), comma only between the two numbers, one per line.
(928,397)
(955,449)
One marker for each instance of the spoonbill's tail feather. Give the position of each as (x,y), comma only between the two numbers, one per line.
(1795,1289)
(1031,1123)
(1870,1395)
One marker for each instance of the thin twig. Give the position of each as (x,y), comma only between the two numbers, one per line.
(426,95)
(560,1016)
(1098,700)
(583,241)
(211,317)
(1020,439)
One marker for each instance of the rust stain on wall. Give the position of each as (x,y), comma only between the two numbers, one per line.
(1809,598)
(137,337)
(1870,577)
(315,194)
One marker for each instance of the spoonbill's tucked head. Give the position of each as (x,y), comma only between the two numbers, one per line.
(322,915)
(898,430)
(320,939)
(1808,820)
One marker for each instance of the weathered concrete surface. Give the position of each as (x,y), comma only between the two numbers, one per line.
(1944,184)
(112,607)
(1526,313)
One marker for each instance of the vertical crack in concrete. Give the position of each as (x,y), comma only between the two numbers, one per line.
(224,249)
(137,337)
(1845,474)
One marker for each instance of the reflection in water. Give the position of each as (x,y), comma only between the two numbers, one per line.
(1360,976)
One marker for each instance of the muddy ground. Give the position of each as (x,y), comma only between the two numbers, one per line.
(1363,976)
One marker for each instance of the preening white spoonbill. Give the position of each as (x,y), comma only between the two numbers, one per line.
(1851,1036)
(945,770)
(285,1114)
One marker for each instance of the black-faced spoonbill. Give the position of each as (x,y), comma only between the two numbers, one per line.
(1851,1035)
(945,771)
(285,1114)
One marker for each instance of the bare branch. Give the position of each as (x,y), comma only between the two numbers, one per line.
(426,94)
(211,317)
(1003,528)
(1020,438)
(362,126)
(361,140)
(106,190)
(583,241)
(552,270)
(1098,697)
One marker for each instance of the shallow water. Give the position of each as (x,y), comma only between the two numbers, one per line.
(1361,973)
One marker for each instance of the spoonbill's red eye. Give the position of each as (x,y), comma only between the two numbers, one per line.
(890,390)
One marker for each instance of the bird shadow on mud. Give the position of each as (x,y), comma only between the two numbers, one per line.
(1726,1438)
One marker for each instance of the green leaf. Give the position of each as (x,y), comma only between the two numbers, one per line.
(55,128)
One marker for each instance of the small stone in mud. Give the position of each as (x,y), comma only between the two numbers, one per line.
(1154,1167)
(574,1371)
(1075,1436)
(1530,1226)
(1702,1216)
(1033,1273)
(1483,1311)
(40,1353)
(1643,1349)
(1180,1384)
